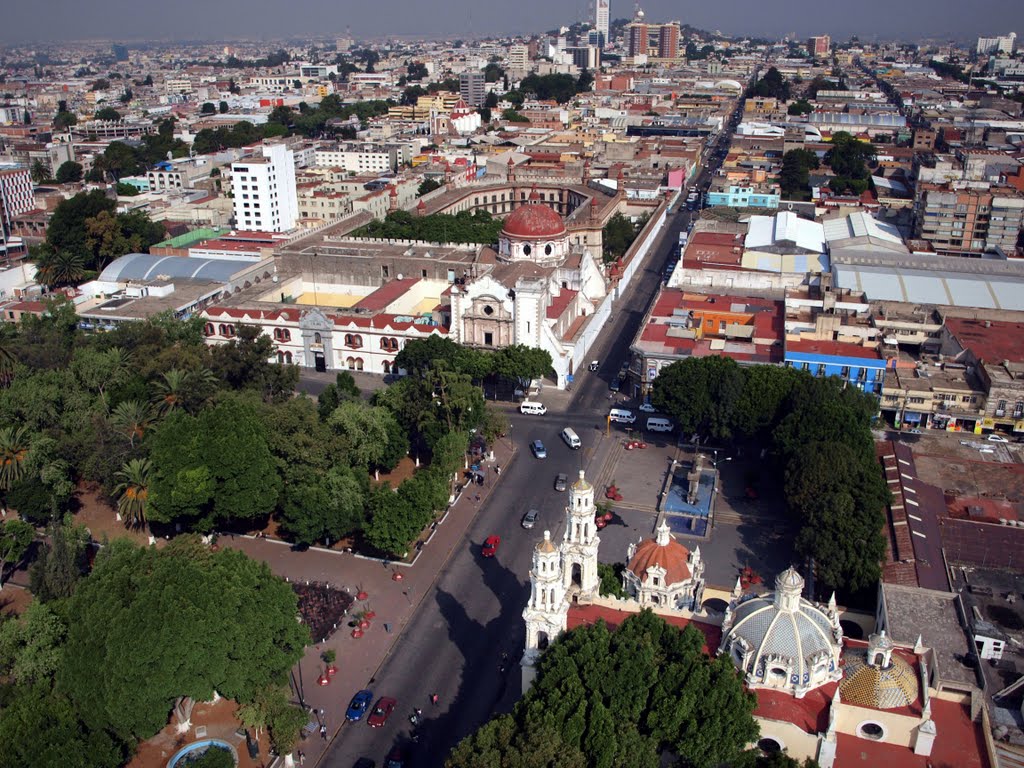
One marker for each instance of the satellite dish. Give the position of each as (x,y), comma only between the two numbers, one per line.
(170,155)
(399,275)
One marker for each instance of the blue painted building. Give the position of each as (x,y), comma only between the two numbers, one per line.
(743,197)
(863,367)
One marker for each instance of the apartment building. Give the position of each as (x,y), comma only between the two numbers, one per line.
(959,220)
(819,45)
(999,44)
(518,58)
(264,189)
(358,158)
(170,176)
(15,200)
(472,88)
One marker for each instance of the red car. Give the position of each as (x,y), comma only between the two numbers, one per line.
(490,547)
(381,712)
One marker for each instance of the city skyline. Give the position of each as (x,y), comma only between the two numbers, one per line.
(232,19)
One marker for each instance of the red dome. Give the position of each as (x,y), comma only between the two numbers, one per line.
(673,557)
(534,220)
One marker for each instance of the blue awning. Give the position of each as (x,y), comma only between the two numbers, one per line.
(912,417)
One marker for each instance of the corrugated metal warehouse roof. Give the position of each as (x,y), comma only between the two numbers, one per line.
(143,266)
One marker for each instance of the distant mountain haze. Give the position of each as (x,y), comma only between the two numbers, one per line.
(266,19)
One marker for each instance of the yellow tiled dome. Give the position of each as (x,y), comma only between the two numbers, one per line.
(875,686)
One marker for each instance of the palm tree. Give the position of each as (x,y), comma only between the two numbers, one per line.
(133,502)
(132,418)
(59,268)
(176,388)
(168,390)
(13,453)
(7,361)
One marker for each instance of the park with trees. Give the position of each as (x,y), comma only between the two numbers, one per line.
(186,440)
(818,434)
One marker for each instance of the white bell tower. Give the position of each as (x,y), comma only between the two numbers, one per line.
(546,613)
(579,545)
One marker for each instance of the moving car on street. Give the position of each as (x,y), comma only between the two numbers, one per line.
(358,706)
(490,547)
(561,482)
(538,449)
(385,706)
(530,518)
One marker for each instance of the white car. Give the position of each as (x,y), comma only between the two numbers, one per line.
(647,408)
(997,439)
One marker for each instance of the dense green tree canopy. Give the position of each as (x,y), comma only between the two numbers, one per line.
(619,697)
(462,227)
(207,621)
(820,433)
(618,234)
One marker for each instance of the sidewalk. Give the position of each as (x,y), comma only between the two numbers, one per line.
(393,601)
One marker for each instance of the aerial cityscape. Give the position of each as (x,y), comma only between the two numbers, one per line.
(420,387)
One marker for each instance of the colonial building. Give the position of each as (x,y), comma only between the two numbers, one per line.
(661,571)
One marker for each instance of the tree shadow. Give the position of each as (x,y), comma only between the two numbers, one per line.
(489,683)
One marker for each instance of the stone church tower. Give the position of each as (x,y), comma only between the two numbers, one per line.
(579,545)
(560,575)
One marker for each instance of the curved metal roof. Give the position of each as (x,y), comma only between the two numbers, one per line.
(143,266)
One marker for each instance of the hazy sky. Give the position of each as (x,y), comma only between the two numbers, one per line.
(254,19)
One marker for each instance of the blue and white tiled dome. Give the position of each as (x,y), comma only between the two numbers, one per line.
(783,640)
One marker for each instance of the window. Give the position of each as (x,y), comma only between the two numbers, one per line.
(1018,409)
(317,339)
(489,339)
(384,272)
(282,334)
(871,730)
(1001,408)
(226,330)
(488,310)
(208,329)
(548,249)
(353,340)
(527,250)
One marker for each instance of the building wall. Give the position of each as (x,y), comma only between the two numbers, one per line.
(265,196)
(865,373)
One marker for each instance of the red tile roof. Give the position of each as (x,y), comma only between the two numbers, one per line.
(958,742)
(992,341)
(833,349)
(585,615)
(386,294)
(673,558)
(560,303)
(810,713)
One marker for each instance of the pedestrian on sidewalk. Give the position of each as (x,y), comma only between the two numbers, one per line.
(302,757)
(323,732)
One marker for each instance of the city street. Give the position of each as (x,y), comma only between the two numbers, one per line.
(453,644)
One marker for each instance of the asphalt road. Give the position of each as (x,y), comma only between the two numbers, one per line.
(454,643)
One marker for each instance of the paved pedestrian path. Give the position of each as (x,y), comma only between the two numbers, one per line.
(393,591)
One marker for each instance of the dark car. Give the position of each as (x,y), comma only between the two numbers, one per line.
(395,758)
(561,481)
(490,547)
(364,762)
(616,384)
(381,712)
(358,706)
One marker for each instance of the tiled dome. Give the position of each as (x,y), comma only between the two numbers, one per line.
(875,686)
(533,220)
(663,552)
(783,631)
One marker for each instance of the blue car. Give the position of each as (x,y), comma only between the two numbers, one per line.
(538,449)
(360,703)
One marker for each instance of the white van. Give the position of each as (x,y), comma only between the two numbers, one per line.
(571,438)
(529,406)
(658,424)
(622,416)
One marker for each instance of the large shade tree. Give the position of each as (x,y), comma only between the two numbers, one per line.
(620,697)
(203,621)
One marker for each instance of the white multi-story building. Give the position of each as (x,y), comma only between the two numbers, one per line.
(601,11)
(264,190)
(1000,44)
(358,158)
(178,85)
